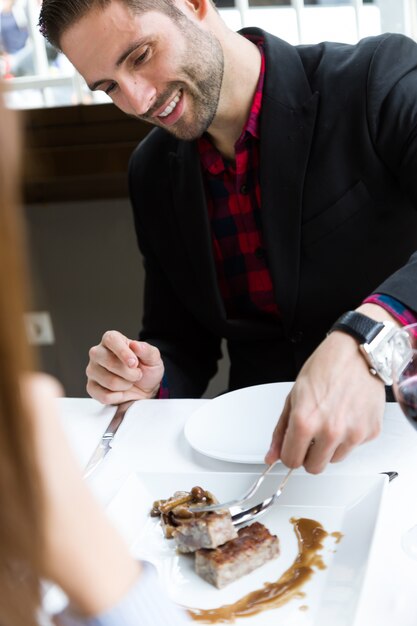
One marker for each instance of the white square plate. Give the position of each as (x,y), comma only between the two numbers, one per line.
(342,504)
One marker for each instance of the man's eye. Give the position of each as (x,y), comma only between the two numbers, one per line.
(142,57)
(110,88)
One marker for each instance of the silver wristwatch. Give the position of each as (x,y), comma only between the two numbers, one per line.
(374,341)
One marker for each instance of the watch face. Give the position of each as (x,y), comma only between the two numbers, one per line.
(401,351)
(381,350)
(382,356)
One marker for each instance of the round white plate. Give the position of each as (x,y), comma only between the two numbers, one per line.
(238,426)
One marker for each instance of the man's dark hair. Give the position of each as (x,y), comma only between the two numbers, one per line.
(56,16)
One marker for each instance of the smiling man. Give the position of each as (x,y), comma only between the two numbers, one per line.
(159,67)
(275,202)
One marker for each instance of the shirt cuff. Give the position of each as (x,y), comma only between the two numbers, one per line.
(146,604)
(163,393)
(394,307)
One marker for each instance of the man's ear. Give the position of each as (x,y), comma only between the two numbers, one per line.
(197,8)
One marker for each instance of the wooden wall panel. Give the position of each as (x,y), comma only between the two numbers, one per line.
(78,152)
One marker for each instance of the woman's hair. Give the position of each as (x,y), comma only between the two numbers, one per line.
(21,509)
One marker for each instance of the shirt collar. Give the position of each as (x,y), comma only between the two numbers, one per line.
(210,157)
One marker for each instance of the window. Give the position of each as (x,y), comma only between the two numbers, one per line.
(37,76)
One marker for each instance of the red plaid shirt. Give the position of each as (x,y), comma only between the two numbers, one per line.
(234,205)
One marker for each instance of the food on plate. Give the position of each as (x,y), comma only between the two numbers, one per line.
(289,586)
(222,554)
(174,511)
(205,530)
(253,547)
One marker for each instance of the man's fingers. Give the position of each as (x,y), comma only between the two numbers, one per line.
(341,452)
(122,369)
(355,439)
(106,396)
(274,451)
(296,442)
(112,370)
(330,441)
(118,345)
(314,439)
(115,378)
(147,354)
(103,362)
(318,455)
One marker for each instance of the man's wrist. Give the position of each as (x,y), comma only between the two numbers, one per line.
(373,338)
(377,313)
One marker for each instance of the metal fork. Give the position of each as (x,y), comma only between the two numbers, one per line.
(241,515)
(236,501)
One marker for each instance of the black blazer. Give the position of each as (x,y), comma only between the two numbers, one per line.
(338,207)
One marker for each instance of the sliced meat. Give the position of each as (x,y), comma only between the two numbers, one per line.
(208,531)
(253,547)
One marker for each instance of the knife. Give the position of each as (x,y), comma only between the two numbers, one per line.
(106,441)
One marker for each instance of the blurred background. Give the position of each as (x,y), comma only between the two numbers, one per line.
(87,271)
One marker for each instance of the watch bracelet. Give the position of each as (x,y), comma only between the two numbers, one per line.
(364,329)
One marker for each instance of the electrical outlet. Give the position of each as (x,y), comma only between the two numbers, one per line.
(39,328)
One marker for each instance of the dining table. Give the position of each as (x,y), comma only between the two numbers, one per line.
(151,439)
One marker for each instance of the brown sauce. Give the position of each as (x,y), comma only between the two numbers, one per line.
(337,536)
(310,535)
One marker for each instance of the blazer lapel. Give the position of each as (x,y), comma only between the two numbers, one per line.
(287,123)
(193,223)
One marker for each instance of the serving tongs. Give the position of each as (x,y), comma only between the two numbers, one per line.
(242,514)
(239,509)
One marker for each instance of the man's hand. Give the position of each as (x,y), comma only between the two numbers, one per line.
(121,369)
(335,405)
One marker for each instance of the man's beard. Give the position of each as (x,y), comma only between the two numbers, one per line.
(203,75)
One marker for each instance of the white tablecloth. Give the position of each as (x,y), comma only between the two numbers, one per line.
(151,439)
